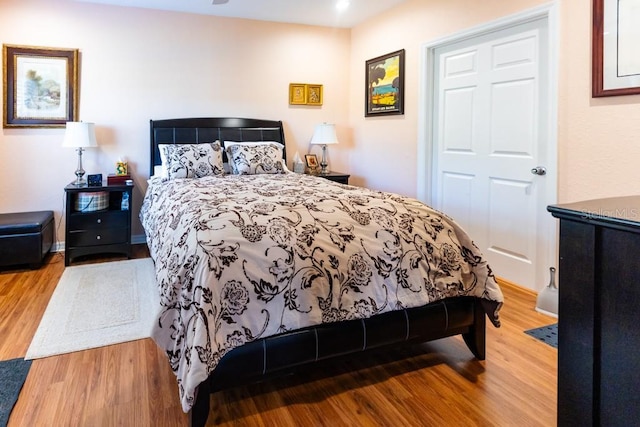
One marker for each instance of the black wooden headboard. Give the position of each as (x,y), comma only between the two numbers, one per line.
(210,129)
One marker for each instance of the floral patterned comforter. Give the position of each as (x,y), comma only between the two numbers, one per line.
(242,257)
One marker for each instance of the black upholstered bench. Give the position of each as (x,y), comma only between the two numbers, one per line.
(25,237)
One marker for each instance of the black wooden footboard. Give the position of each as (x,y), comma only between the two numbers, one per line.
(275,355)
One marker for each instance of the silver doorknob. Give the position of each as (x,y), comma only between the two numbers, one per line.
(539,170)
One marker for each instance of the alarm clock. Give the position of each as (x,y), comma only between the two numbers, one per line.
(94,180)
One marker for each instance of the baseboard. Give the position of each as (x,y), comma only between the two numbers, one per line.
(547,313)
(515,286)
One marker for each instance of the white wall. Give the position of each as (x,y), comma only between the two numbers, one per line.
(138,64)
(598,139)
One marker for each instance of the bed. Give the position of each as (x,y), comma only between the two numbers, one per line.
(261,271)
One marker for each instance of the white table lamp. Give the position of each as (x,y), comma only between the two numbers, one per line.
(80,135)
(324,135)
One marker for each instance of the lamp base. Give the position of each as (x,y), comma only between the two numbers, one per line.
(323,163)
(80,181)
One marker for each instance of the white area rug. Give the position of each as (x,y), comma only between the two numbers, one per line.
(96,305)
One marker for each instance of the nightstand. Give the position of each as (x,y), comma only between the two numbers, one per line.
(339,177)
(97,220)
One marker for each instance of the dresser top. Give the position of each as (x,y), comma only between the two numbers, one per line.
(623,211)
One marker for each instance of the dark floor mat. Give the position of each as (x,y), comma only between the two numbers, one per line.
(547,334)
(13,374)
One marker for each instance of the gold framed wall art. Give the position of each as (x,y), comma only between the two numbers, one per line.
(305,94)
(297,94)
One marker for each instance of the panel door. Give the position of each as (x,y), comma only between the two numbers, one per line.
(489,130)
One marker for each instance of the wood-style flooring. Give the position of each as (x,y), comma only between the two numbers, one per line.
(433,384)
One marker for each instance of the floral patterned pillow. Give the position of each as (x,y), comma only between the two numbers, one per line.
(191,160)
(255,158)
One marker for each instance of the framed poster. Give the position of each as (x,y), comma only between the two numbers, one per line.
(384,80)
(615,41)
(40,86)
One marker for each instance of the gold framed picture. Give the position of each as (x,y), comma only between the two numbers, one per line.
(312,162)
(314,94)
(297,93)
(40,86)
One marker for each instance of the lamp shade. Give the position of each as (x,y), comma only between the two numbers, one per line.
(80,134)
(324,134)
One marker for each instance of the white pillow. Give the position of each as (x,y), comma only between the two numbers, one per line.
(159,170)
(255,157)
(253,143)
(191,160)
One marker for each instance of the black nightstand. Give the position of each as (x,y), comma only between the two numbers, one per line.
(90,231)
(339,177)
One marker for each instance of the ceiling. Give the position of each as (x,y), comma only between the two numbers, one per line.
(310,12)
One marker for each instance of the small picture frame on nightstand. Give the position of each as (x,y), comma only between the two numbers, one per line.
(312,163)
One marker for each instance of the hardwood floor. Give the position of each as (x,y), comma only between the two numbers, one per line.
(432,384)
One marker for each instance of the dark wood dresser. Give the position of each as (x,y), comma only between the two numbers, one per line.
(339,177)
(105,230)
(599,312)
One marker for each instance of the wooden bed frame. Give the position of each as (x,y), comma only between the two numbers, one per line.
(281,354)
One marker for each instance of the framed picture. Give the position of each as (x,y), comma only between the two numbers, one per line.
(615,41)
(40,86)
(312,161)
(314,94)
(384,81)
(297,93)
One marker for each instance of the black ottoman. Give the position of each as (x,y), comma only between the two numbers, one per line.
(25,237)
